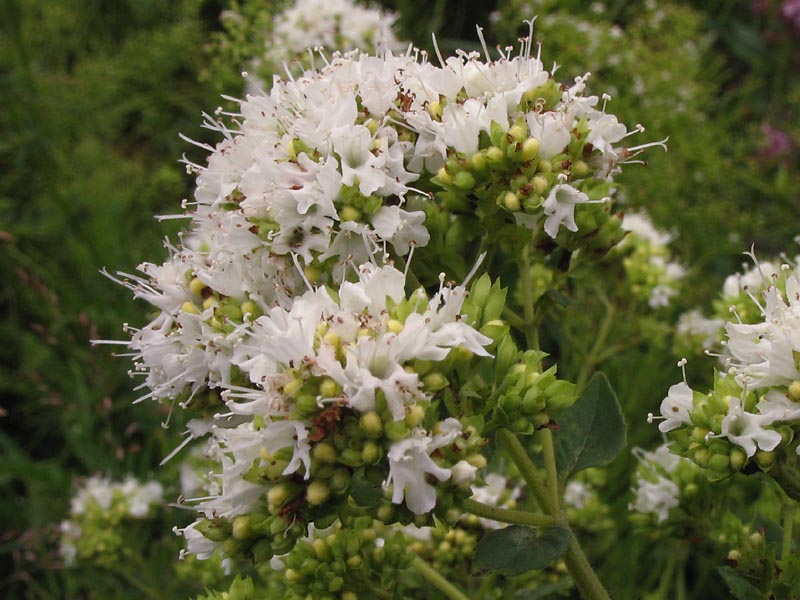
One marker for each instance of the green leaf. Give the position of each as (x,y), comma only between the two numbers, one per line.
(517,549)
(363,492)
(739,586)
(592,431)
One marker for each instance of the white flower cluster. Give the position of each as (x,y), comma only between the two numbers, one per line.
(101,504)
(282,321)
(648,267)
(330,24)
(655,491)
(761,389)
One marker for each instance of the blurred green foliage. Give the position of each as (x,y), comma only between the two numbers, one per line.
(94,95)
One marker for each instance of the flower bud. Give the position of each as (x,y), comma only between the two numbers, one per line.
(317,492)
(464,180)
(371,424)
(241,527)
(324,452)
(530,148)
(416,413)
(396,430)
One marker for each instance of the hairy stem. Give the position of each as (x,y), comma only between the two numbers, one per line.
(439,582)
(506,515)
(592,358)
(546,438)
(528,471)
(582,573)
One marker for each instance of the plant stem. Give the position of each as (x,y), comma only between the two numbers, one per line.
(528,470)
(592,357)
(546,438)
(506,515)
(531,327)
(436,579)
(583,575)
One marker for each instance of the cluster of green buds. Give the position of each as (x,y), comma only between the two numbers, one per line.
(528,397)
(347,563)
(721,431)
(102,516)
(510,175)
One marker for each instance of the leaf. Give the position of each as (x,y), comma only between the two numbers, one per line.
(363,492)
(739,586)
(516,549)
(592,431)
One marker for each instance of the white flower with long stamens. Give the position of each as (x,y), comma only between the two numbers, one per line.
(746,429)
(675,408)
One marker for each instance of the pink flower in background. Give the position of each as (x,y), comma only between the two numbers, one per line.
(777,144)
(790,11)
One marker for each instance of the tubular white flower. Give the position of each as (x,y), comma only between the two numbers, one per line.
(746,430)
(675,407)
(410,462)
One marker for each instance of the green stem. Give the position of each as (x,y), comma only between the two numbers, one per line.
(666,578)
(551,472)
(592,357)
(507,515)
(436,579)
(681,585)
(530,326)
(788,525)
(583,575)
(528,470)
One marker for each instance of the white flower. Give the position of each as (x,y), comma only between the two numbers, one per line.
(560,208)
(676,406)
(745,429)
(401,228)
(410,462)
(657,497)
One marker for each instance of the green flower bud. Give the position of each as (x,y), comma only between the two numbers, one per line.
(306,404)
(324,452)
(371,424)
(340,480)
(464,180)
(511,201)
(196,286)
(241,527)
(396,431)
(530,149)
(433,382)
(293,576)
(794,391)
(317,492)
(371,453)
(719,463)
(444,177)
(494,155)
(351,457)
(349,213)
(478,161)
(737,459)
(416,413)
(279,494)
(580,168)
(765,459)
